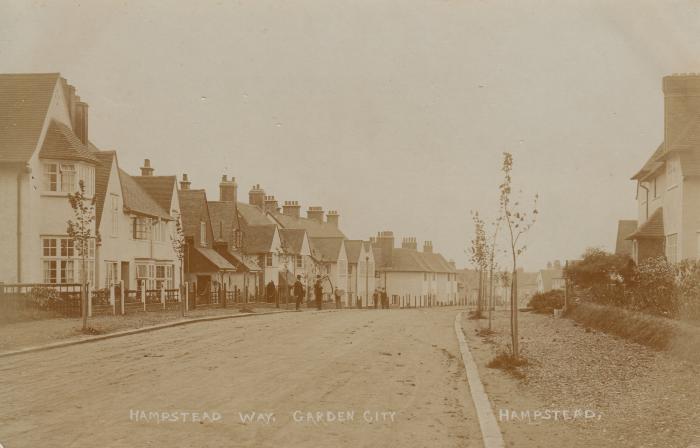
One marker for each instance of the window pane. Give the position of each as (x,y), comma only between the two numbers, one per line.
(68,184)
(50,177)
(49,271)
(67,249)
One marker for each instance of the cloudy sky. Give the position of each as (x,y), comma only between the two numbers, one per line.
(395,113)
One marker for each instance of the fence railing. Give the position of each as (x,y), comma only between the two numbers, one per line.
(38,300)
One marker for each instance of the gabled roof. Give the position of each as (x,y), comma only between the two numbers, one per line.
(292,240)
(258,239)
(160,188)
(252,215)
(314,229)
(326,249)
(136,200)
(192,205)
(223,214)
(24,103)
(61,143)
(353,248)
(625,227)
(240,261)
(203,259)
(652,228)
(102,172)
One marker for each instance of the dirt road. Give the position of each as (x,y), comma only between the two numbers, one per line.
(346,378)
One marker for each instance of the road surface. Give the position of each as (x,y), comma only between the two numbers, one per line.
(351,378)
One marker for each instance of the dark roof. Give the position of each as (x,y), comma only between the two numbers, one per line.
(652,228)
(160,188)
(102,171)
(224,220)
(411,260)
(61,143)
(240,261)
(136,200)
(625,228)
(326,249)
(258,239)
(652,164)
(314,229)
(353,248)
(192,205)
(24,102)
(252,215)
(204,259)
(292,240)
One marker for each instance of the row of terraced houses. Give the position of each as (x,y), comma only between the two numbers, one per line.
(45,151)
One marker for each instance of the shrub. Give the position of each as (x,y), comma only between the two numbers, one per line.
(545,303)
(509,363)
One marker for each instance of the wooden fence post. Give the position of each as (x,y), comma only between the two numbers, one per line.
(143,293)
(162,295)
(89,299)
(112,299)
(121,293)
(187,296)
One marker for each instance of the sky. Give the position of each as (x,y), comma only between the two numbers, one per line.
(394,113)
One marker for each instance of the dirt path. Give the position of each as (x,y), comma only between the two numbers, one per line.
(641,398)
(402,362)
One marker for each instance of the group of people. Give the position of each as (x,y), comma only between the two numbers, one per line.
(379,296)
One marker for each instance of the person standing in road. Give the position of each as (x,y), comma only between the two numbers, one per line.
(318,293)
(375,298)
(298,291)
(385,299)
(271,293)
(336,293)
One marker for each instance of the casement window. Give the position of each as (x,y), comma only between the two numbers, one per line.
(61,261)
(50,177)
(672,248)
(141,228)
(238,238)
(145,275)
(111,273)
(87,175)
(164,276)
(299,262)
(203,234)
(68,178)
(268,260)
(114,207)
(158,230)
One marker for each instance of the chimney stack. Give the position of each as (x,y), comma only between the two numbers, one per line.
(228,189)
(270,204)
(385,240)
(681,106)
(428,247)
(409,243)
(81,123)
(185,183)
(146,169)
(452,264)
(256,196)
(291,208)
(332,217)
(315,213)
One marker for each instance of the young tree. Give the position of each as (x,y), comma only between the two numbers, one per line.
(80,233)
(479,256)
(178,241)
(491,250)
(518,223)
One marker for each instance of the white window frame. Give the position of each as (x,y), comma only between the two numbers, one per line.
(203,233)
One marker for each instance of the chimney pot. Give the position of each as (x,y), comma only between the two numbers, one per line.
(185,183)
(146,169)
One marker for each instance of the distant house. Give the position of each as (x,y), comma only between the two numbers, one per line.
(204,266)
(295,255)
(549,279)
(625,228)
(361,272)
(326,242)
(668,184)
(135,216)
(414,277)
(44,154)
(228,240)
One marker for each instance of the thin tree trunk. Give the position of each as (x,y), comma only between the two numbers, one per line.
(514,312)
(490,305)
(84,302)
(478,300)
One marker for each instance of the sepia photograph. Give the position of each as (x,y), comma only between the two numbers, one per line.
(350,223)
